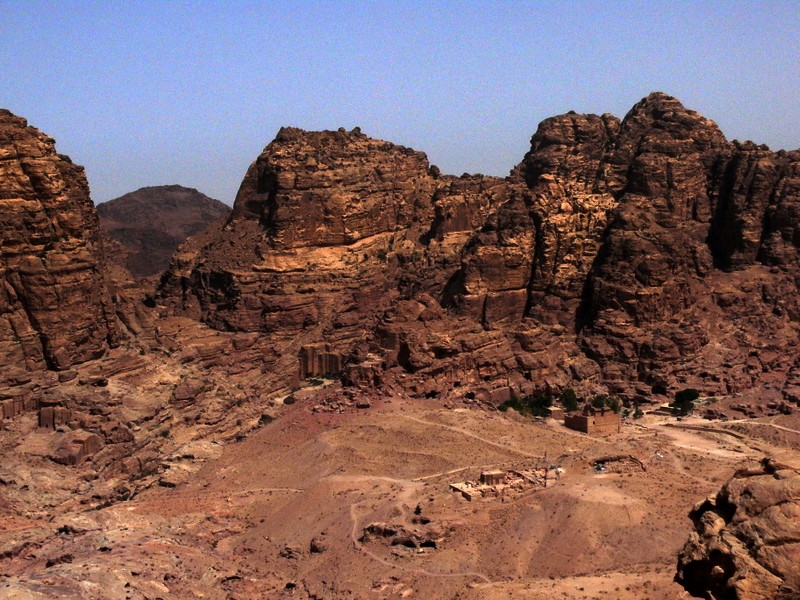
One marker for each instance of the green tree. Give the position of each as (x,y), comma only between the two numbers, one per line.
(684,401)
(535,404)
(569,399)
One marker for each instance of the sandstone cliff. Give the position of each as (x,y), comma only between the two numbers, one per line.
(637,256)
(54,308)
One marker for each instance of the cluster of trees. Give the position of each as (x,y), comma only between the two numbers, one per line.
(571,401)
(535,404)
(684,401)
(539,404)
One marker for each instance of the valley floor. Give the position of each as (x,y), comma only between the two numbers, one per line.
(358,505)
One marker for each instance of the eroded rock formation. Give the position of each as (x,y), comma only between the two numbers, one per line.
(55,310)
(746,543)
(638,256)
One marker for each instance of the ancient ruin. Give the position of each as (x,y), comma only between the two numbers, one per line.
(508,483)
(594,421)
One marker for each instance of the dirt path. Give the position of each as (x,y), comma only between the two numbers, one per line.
(453,471)
(765,423)
(700,440)
(776,426)
(469,434)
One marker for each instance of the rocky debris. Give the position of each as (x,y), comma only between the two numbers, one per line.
(334,399)
(55,310)
(746,543)
(149,224)
(400,535)
(318,545)
(76,446)
(618,463)
(290,552)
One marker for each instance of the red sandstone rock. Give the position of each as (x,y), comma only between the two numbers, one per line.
(638,256)
(76,446)
(54,307)
(746,543)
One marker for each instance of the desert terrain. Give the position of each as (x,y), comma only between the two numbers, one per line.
(357,503)
(315,399)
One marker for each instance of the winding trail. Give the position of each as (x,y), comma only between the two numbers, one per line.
(468,433)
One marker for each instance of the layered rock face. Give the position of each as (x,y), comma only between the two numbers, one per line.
(150,223)
(746,543)
(682,284)
(303,256)
(55,310)
(639,256)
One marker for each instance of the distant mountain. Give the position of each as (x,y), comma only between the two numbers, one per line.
(152,222)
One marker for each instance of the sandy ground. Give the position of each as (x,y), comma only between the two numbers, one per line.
(283,513)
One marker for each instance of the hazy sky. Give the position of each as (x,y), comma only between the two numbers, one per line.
(151,93)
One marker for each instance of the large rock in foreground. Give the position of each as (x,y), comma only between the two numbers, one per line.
(152,222)
(746,543)
(55,310)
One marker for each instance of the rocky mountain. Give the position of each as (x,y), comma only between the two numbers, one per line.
(286,414)
(746,543)
(152,222)
(637,256)
(55,310)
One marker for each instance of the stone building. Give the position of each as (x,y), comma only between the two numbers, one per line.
(594,421)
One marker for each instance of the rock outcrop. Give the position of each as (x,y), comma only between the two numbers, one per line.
(746,543)
(55,310)
(150,223)
(304,256)
(676,289)
(636,256)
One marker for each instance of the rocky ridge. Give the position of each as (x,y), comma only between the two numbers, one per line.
(637,256)
(55,310)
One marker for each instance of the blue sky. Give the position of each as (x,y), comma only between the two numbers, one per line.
(150,93)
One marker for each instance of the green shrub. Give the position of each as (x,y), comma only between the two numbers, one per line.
(684,401)
(569,399)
